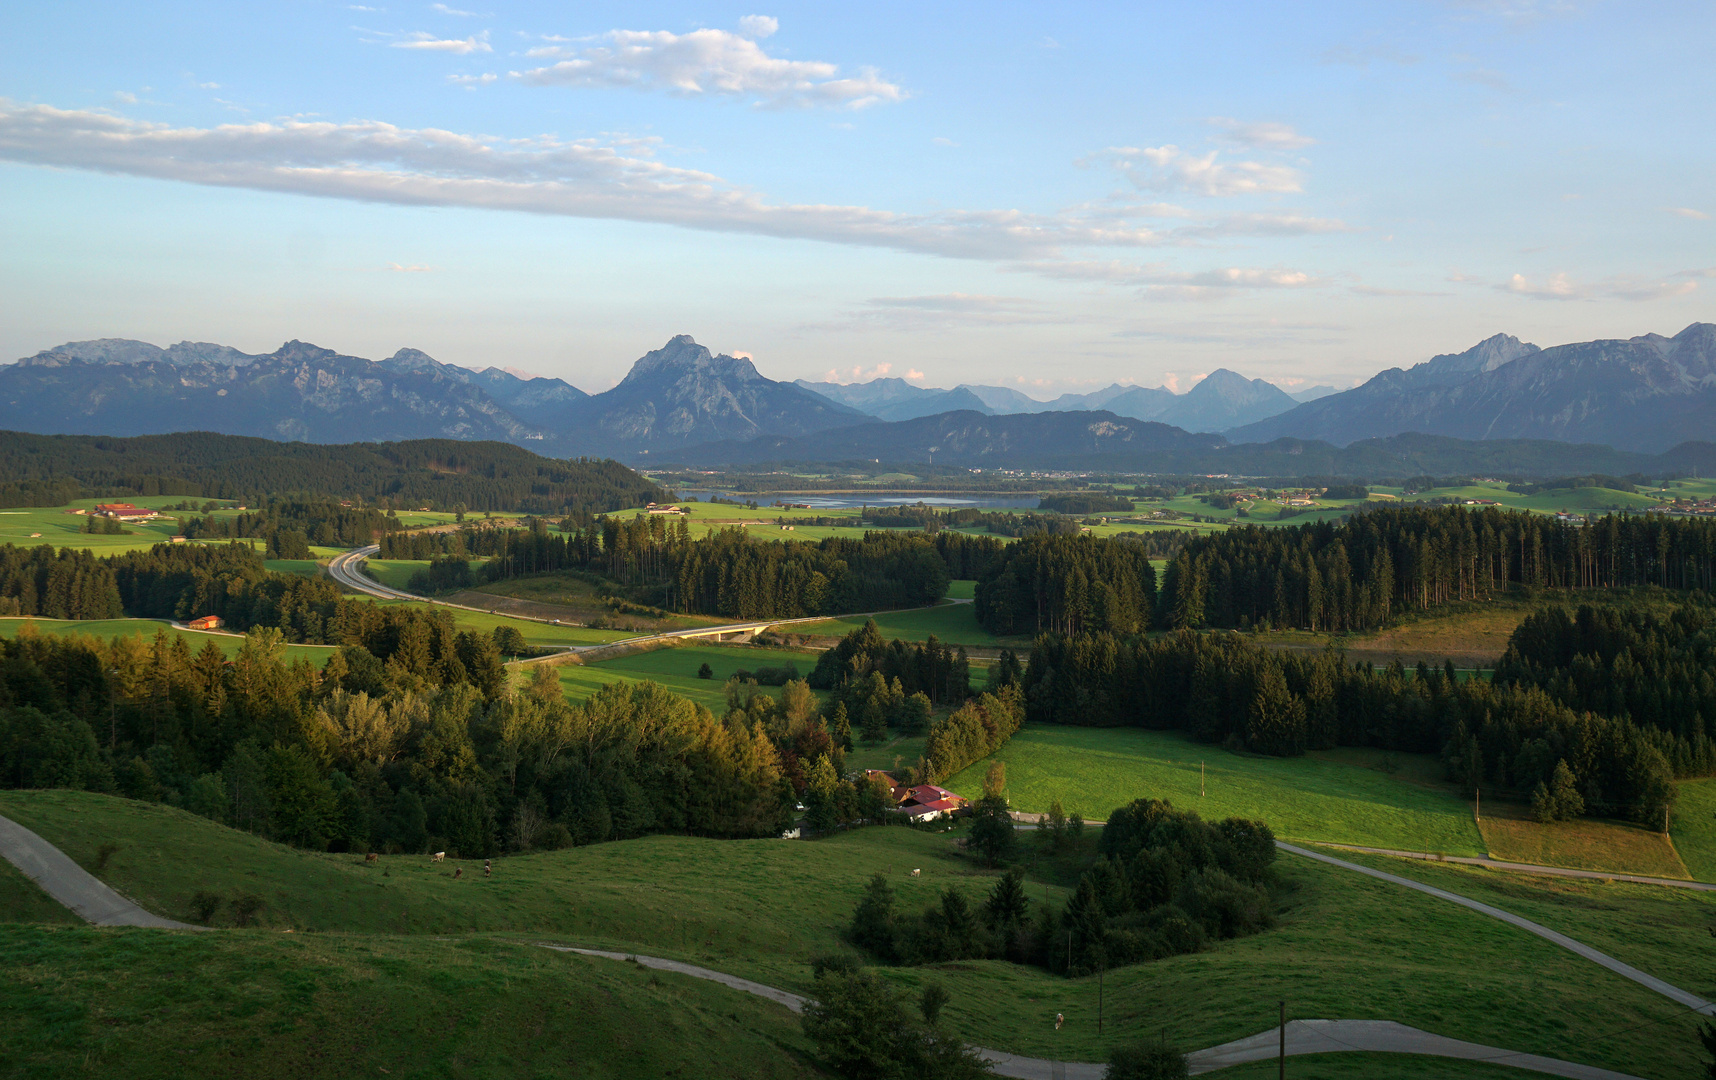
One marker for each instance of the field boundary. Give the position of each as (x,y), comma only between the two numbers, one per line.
(1518,867)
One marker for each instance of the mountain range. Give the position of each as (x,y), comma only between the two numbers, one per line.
(682,402)
(1644,394)
(1222,400)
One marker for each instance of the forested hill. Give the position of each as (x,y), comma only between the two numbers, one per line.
(48,470)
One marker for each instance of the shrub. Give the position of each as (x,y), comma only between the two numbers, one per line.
(204,904)
(1146,1061)
(246,907)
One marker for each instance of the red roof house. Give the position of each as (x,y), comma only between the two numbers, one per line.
(207,622)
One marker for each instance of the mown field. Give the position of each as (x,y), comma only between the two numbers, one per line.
(952,623)
(1347,946)
(108,629)
(676,666)
(1341,796)
(1692,827)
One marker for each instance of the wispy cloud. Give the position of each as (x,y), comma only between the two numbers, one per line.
(457,46)
(399,269)
(713,63)
(1687,212)
(379,162)
(1620,287)
(1261,135)
(1363,54)
(456,13)
(944,311)
(1168,168)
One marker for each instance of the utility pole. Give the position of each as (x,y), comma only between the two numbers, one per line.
(1283,1058)
(1099,973)
(1200,779)
(1478,806)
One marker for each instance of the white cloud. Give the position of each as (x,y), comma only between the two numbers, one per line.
(458,46)
(397,268)
(943,141)
(455,12)
(1620,287)
(208,86)
(915,375)
(1168,168)
(709,62)
(1688,212)
(759,26)
(471,82)
(125,97)
(373,161)
(1263,135)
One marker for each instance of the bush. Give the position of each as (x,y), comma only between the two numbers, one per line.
(204,904)
(246,907)
(705,672)
(1146,1061)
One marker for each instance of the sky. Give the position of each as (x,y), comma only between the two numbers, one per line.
(1050,197)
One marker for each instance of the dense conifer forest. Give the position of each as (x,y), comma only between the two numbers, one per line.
(50,470)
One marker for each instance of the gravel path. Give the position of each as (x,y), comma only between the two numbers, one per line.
(1668,990)
(1303,1037)
(71,884)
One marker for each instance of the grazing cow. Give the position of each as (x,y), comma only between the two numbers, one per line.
(371,857)
(438,856)
(1059,1020)
(487,869)
(916,873)
(458,873)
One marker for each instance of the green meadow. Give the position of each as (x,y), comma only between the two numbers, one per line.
(953,623)
(403,945)
(676,666)
(1342,796)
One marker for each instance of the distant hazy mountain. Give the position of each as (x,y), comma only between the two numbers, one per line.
(1645,394)
(298,392)
(1312,394)
(682,394)
(968,438)
(533,400)
(1220,401)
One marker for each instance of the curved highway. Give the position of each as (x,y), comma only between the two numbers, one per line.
(346,570)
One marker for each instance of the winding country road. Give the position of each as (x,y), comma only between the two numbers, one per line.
(1303,1037)
(345,570)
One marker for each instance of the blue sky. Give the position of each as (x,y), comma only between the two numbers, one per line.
(1054,197)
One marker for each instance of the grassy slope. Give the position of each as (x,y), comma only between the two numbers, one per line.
(1584,843)
(676,668)
(139,1004)
(536,633)
(1692,826)
(953,623)
(22,901)
(1348,946)
(1333,797)
(109,629)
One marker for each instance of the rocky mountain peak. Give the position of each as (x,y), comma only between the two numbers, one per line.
(682,357)
(302,352)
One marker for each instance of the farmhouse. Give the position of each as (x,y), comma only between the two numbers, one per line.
(124,512)
(927,802)
(207,622)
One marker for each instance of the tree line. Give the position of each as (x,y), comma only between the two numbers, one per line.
(1356,574)
(63,584)
(1069,585)
(50,470)
(290,526)
(1623,729)
(382,746)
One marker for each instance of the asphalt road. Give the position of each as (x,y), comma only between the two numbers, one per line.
(1303,1037)
(71,884)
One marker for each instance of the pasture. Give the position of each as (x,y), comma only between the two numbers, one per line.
(1346,946)
(1341,797)
(675,667)
(955,624)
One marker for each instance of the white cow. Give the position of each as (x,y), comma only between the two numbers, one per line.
(915,873)
(438,856)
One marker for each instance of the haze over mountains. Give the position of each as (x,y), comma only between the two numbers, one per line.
(685,404)
(1222,400)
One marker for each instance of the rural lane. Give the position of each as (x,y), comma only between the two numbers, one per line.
(344,570)
(1668,990)
(1303,1037)
(1528,868)
(71,884)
